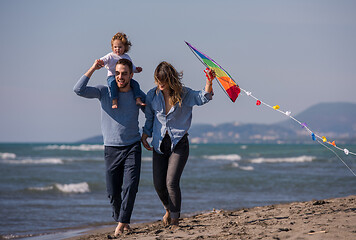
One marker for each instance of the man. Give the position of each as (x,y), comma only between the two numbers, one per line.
(121,139)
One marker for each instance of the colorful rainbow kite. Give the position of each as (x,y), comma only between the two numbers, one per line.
(233,90)
(224,79)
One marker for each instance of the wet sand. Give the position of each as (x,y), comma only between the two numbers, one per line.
(317,219)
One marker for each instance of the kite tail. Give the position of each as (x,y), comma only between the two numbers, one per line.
(315,137)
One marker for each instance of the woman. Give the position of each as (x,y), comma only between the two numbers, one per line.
(168,118)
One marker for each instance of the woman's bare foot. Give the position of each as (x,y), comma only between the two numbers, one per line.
(174,223)
(114,103)
(121,227)
(166,218)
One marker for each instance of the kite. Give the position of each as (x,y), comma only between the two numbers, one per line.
(225,81)
(232,90)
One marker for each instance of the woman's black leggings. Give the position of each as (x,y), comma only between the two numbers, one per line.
(167,170)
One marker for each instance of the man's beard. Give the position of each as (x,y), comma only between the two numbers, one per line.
(122,85)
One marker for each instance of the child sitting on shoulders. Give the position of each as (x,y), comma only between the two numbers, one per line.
(120,45)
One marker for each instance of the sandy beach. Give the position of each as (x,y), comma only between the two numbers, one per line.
(317,219)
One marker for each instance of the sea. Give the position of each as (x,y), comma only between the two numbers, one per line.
(50,189)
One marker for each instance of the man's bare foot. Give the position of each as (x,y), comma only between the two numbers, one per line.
(114,103)
(127,228)
(166,218)
(121,227)
(119,230)
(139,102)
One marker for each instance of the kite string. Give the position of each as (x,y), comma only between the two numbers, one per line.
(296,120)
(337,157)
(306,128)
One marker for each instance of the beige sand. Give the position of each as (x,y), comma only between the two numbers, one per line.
(322,219)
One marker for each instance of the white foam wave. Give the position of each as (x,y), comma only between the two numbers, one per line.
(35,161)
(82,187)
(147,159)
(7,155)
(300,159)
(245,168)
(82,147)
(235,165)
(228,157)
(41,188)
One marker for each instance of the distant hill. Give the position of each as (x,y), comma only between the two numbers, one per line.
(336,121)
(338,118)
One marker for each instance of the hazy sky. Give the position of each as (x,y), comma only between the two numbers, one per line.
(291,53)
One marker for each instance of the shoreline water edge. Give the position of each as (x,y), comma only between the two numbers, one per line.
(333,218)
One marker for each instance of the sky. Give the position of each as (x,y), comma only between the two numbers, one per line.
(292,53)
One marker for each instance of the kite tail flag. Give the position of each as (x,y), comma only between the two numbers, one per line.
(225,81)
(233,90)
(315,137)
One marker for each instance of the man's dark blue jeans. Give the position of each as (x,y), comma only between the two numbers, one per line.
(123,165)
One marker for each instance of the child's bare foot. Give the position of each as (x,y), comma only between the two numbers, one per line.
(114,103)
(139,102)
(166,218)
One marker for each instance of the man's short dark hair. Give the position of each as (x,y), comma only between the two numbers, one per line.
(126,62)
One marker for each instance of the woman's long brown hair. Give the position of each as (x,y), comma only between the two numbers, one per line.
(165,73)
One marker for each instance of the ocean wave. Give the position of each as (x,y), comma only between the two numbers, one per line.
(41,189)
(30,161)
(7,155)
(228,157)
(147,159)
(82,187)
(245,168)
(300,159)
(82,147)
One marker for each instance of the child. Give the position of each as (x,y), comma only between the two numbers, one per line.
(120,46)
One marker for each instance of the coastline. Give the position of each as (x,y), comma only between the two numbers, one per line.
(317,219)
